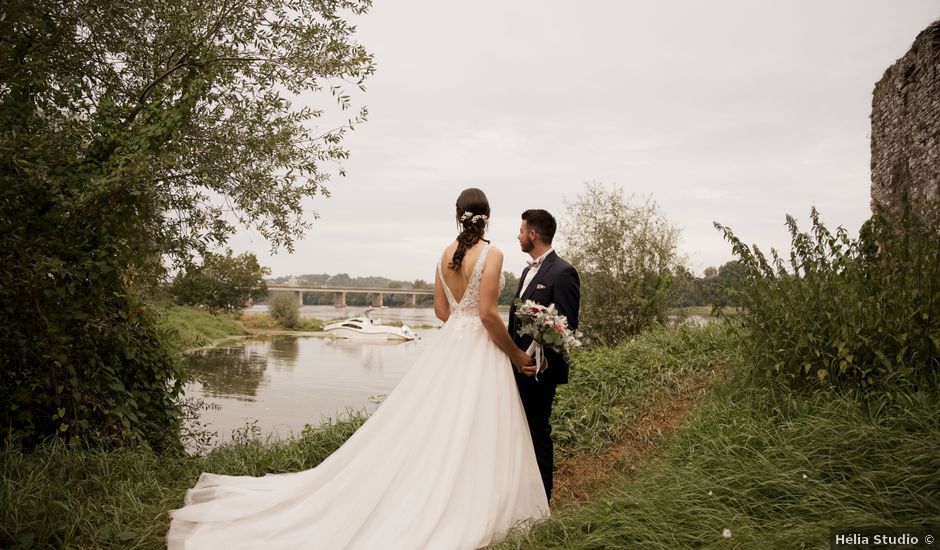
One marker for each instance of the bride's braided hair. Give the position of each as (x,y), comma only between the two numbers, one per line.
(472,206)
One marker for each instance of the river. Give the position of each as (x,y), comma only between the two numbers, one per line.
(282,382)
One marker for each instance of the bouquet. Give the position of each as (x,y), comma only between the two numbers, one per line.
(547,328)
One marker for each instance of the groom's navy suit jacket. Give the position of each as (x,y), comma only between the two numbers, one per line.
(556,282)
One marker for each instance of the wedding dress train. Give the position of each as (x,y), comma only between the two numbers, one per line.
(445,462)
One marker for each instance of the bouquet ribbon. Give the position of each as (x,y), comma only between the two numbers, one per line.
(541,362)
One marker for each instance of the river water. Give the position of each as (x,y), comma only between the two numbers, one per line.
(282,382)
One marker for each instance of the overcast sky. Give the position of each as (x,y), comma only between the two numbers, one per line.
(733,111)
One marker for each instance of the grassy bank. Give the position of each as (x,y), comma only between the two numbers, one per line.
(776,472)
(738,463)
(89,499)
(262,322)
(613,387)
(189,327)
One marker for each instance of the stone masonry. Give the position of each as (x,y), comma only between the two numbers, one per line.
(905,127)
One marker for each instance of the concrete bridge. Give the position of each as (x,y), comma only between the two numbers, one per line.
(339,293)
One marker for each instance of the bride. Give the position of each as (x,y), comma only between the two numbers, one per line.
(445,462)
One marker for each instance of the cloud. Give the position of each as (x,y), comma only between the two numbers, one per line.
(733,111)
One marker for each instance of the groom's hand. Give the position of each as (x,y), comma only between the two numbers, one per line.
(529,370)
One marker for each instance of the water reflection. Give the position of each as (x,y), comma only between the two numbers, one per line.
(367,353)
(231,372)
(287,381)
(284,351)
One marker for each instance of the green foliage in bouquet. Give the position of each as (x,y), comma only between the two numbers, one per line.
(859,313)
(546,326)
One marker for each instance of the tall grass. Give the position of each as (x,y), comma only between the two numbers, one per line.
(778,472)
(58,497)
(612,387)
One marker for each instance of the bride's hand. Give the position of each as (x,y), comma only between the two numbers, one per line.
(524,363)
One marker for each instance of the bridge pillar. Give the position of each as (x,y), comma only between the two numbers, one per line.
(300,298)
(339,299)
(377,299)
(410,300)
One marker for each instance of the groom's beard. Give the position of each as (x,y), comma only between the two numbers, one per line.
(526,245)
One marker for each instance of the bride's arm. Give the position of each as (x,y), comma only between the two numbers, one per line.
(441,307)
(489,315)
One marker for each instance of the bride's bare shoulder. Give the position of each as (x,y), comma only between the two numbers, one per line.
(495,253)
(449,250)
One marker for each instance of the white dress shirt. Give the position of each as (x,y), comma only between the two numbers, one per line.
(533,270)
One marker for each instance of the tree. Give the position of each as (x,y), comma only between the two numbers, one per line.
(719,287)
(222,282)
(133,133)
(627,257)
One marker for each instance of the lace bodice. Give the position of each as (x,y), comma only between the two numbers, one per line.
(469,304)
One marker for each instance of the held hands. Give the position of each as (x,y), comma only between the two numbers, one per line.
(524,363)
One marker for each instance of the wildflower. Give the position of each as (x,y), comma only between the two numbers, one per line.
(726,533)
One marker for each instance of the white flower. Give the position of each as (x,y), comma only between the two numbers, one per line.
(726,533)
(474,218)
(709,493)
(804,476)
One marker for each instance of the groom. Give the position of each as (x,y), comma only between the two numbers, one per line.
(547,280)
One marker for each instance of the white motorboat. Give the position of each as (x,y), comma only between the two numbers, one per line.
(366,328)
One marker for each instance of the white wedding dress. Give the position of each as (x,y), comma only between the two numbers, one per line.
(445,462)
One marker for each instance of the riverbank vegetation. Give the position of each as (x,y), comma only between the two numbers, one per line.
(838,312)
(54,496)
(187,327)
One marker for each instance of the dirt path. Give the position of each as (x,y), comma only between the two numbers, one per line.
(579,477)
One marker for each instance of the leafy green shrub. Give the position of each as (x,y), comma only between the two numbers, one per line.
(88,364)
(284,308)
(860,313)
(626,256)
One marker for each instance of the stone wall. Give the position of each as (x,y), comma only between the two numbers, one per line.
(905,127)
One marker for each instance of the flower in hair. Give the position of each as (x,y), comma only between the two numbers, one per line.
(474,218)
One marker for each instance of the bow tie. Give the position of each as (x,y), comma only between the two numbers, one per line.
(535,263)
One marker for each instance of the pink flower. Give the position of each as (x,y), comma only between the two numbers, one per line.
(560,328)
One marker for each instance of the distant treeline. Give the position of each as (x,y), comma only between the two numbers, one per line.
(363,299)
(716,288)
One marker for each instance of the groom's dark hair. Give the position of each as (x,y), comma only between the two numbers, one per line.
(542,222)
